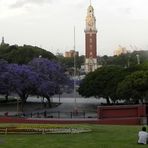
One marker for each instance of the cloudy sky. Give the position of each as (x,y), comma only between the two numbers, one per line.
(50,23)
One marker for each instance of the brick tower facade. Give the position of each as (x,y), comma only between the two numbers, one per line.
(90,41)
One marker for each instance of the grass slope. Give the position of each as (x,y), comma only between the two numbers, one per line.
(101,137)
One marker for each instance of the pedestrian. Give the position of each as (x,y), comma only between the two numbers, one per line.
(143,136)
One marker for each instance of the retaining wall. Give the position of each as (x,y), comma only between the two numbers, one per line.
(123,114)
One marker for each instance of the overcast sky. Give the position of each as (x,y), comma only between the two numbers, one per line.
(50,23)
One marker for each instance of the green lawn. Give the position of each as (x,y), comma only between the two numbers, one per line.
(100,137)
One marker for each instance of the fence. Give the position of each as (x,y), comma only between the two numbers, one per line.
(59,114)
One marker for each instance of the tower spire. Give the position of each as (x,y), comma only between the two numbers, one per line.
(90,2)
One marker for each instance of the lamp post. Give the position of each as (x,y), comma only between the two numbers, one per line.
(128,62)
(138,59)
(75,101)
(17,106)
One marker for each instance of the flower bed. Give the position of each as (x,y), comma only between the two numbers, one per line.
(42,130)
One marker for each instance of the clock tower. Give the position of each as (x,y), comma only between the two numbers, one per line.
(90,41)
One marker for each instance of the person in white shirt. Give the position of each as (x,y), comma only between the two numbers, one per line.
(143,136)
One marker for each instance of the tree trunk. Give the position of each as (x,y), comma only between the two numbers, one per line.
(22,104)
(49,102)
(6,97)
(23,101)
(107,99)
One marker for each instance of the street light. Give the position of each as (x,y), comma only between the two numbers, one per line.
(128,62)
(74,79)
(138,59)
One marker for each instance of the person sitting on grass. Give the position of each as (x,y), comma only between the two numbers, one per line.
(143,136)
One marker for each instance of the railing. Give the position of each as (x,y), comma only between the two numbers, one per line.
(59,114)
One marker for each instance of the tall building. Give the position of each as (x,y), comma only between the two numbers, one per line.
(90,41)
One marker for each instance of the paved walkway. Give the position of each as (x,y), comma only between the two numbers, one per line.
(67,106)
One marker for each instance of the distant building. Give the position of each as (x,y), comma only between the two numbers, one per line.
(120,50)
(71,53)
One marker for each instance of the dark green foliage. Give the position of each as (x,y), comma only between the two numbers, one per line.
(68,62)
(23,54)
(134,87)
(105,81)
(86,86)
(125,60)
(102,83)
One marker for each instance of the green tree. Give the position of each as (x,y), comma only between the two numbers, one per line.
(134,87)
(86,86)
(23,54)
(125,60)
(68,62)
(102,83)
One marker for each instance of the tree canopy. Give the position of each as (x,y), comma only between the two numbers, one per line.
(23,54)
(52,77)
(134,87)
(125,60)
(116,83)
(102,83)
(40,77)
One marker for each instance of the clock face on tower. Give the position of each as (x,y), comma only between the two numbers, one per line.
(90,22)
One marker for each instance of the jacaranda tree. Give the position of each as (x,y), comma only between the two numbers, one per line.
(23,81)
(52,77)
(40,77)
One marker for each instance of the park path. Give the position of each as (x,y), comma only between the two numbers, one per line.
(83,107)
(67,105)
